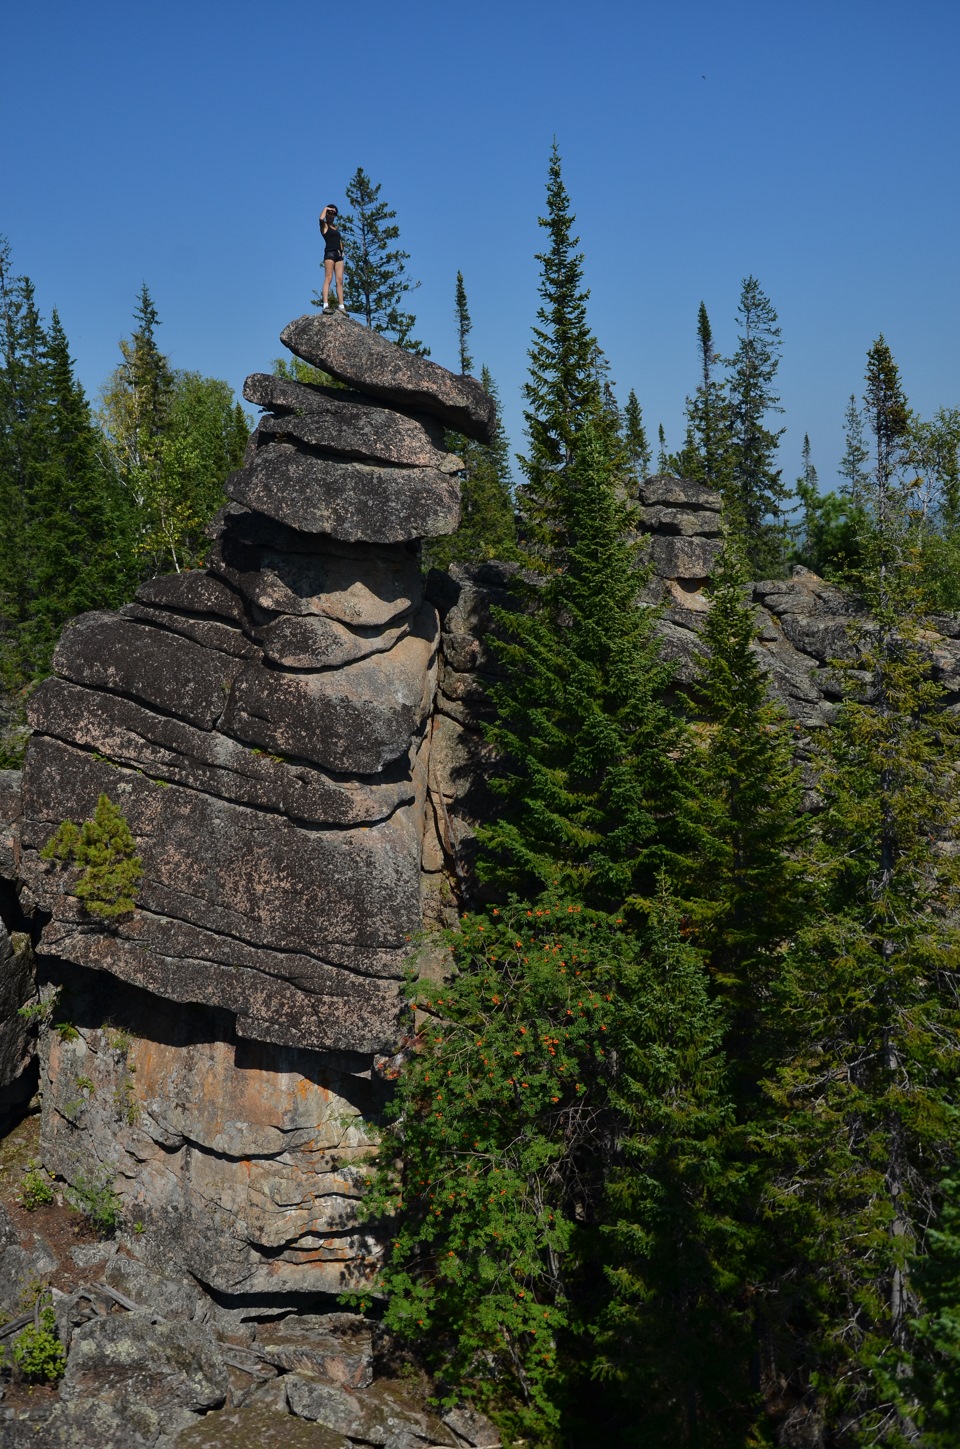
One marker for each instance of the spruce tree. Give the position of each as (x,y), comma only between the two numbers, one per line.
(937,1370)
(862,1121)
(855,454)
(663,457)
(375,273)
(65,543)
(487,528)
(77,541)
(746,886)
(826,539)
(706,457)
(673,1338)
(464,326)
(756,491)
(23,441)
(638,451)
(172,437)
(592,779)
(565,387)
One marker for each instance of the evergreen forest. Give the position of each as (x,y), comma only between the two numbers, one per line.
(671,1159)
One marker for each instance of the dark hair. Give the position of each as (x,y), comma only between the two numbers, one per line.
(332,208)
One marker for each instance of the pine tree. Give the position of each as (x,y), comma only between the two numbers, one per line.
(487,528)
(65,541)
(862,1120)
(638,451)
(746,886)
(464,327)
(706,457)
(673,1339)
(593,777)
(855,454)
(172,438)
(937,1371)
(663,457)
(827,537)
(375,277)
(77,537)
(564,391)
(756,492)
(23,396)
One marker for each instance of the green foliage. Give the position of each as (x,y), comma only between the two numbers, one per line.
(745,883)
(36,1189)
(564,389)
(172,438)
(674,1337)
(61,513)
(937,1370)
(376,283)
(707,456)
(592,781)
(635,439)
(756,492)
(94,1195)
(862,1128)
(39,1355)
(487,528)
(103,850)
(492,1166)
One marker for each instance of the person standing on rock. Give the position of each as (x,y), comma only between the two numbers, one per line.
(332,257)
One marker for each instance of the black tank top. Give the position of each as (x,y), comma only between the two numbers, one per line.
(333,246)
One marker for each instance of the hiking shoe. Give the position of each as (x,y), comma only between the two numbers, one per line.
(326,308)
(341,308)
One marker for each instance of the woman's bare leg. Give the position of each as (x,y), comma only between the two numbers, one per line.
(327,278)
(338,266)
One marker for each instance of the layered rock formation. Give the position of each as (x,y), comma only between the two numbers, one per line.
(293,735)
(264,726)
(262,723)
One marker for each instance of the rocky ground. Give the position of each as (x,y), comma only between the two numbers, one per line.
(153,1364)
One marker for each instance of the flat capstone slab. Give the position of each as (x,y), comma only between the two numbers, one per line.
(363,359)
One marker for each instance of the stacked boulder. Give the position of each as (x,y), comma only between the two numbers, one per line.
(261,722)
(263,725)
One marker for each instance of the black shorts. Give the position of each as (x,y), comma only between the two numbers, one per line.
(333,256)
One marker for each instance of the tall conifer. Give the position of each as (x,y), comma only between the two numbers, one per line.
(593,779)
(487,528)
(707,454)
(756,488)
(564,390)
(673,1337)
(464,326)
(863,1120)
(747,884)
(639,455)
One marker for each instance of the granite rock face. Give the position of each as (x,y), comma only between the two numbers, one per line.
(263,723)
(361,358)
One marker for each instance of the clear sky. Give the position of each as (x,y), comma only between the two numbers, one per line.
(813,144)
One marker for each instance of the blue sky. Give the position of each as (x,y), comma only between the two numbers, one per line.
(811,144)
